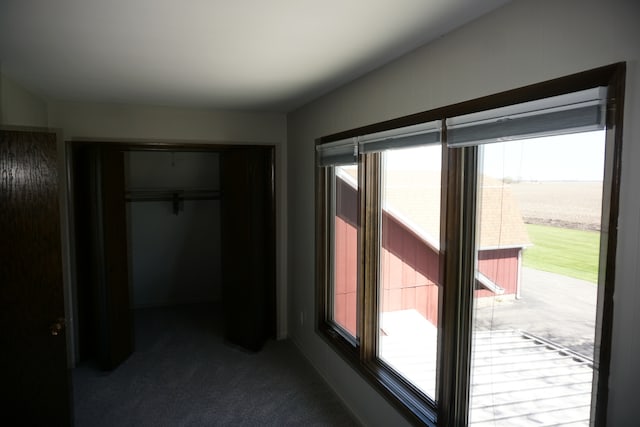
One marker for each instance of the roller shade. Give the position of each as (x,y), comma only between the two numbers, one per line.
(409,136)
(571,113)
(343,152)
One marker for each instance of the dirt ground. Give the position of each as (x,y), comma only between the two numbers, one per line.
(564,204)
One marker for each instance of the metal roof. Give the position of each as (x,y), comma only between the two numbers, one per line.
(518,379)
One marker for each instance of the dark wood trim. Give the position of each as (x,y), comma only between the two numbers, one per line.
(575,82)
(452,200)
(459,276)
(132,145)
(272,267)
(442,382)
(371,195)
(615,116)
(416,407)
(321,246)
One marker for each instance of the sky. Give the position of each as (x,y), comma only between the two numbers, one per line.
(573,157)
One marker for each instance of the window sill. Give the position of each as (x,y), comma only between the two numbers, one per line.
(410,402)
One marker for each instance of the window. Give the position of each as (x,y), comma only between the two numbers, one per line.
(345,246)
(537,252)
(434,248)
(408,287)
(343,231)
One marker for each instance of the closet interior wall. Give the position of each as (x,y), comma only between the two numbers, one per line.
(173,236)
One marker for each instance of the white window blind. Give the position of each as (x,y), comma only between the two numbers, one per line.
(571,113)
(405,137)
(346,151)
(343,152)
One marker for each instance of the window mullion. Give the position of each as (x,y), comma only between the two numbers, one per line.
(330,182)
(458,286)
(322,247)
(370,201)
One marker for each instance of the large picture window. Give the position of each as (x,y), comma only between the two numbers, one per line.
(466,254)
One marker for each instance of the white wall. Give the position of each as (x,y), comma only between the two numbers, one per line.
(174,258)
(137,122)
(131,123)
(19,106)
(522,43)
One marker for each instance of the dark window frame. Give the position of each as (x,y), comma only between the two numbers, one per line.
(457,260)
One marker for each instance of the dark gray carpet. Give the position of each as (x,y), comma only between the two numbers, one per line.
(182,374)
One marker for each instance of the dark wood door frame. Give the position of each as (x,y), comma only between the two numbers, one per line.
(73,146)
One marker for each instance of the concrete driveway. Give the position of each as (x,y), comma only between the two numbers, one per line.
(555,307)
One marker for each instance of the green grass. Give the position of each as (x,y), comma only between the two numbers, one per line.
(573,253)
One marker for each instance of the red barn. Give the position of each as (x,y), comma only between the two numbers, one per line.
(410,244)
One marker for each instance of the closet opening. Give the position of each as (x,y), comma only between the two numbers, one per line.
(168,232)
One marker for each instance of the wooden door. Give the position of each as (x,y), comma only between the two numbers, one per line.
(248,246)
(34,378)
(105,321)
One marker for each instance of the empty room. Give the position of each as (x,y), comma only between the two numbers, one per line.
(344,213)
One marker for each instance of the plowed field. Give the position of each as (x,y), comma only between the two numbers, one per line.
(564,204)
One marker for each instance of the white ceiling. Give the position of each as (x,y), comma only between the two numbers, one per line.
(267,55)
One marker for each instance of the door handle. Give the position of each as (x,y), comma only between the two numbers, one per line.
(57,327)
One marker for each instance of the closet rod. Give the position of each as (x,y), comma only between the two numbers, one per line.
(161,196)
(176,197)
